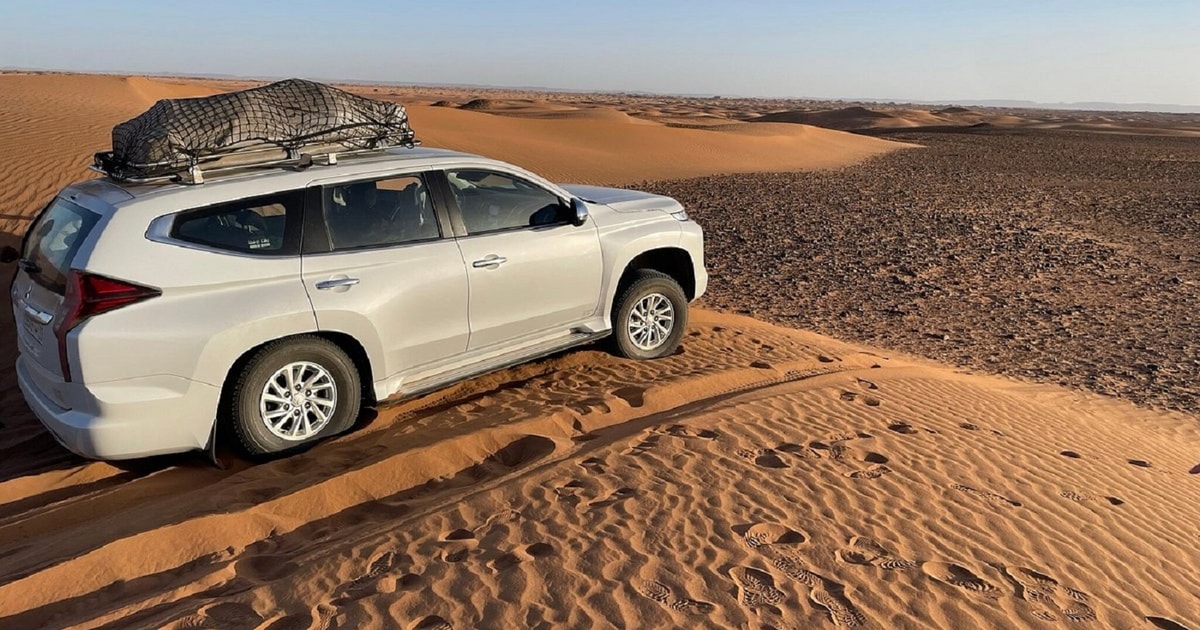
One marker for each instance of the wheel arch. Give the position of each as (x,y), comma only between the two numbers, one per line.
(675,262)
(347,343)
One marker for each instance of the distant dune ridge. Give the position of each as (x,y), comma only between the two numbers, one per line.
(761,477)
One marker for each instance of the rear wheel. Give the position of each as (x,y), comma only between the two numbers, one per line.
(649,316)
(293,392)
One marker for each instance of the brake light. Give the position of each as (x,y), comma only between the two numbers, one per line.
(89,295)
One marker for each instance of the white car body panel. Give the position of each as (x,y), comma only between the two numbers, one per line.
(550,278)
(147,378)
(408,310)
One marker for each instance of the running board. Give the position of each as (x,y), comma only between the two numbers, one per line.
(516,357)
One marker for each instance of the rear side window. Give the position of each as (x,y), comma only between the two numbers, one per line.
(266,225)
(53,241)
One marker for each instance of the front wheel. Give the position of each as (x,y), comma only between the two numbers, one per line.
(292,392)
(649,316)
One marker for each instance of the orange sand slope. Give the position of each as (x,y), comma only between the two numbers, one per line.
(53,124)
(761,477)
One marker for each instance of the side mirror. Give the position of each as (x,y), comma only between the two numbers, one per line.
(8,254)
(579,211)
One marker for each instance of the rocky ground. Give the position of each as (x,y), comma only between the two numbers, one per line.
(1061,257)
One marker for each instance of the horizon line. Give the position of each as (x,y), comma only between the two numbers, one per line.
(995,103)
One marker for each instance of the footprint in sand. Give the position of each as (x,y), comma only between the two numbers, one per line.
(569,492)
(865,551)
(647,443)
(846,437)
(762,457)
(1078,497)
(869,401)
(756,589)
(510,559)
(506,560)
(759,535)
(902,428)
(660,593)
(432,622)
(458,534)
(826,595)
(794,567)
(871,472)
(618,495)
(231,615)
(803,452)
(1042,593)
(1140,463)
(679,430)
(959,577)
(458,545)
(831,597)
(867,384)
(833,451)
(990,497)
(371,582)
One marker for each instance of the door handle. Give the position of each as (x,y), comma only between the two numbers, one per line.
(491,261)
(337,283)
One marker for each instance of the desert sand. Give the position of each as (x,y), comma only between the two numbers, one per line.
(763,477)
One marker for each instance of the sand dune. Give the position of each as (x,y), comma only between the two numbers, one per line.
(761,477)
(55,122)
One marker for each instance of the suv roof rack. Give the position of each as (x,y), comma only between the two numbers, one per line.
(232,163)
(291,123)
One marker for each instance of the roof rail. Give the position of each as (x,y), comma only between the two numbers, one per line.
(232,163)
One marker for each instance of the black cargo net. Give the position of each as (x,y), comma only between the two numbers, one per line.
(274,122)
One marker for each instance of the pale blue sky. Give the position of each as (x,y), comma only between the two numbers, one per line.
(1049,51)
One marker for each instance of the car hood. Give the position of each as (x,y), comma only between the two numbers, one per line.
(623,200)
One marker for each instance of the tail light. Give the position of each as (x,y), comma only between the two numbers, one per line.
(89,295)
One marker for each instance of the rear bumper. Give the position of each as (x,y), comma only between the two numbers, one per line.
(126,419)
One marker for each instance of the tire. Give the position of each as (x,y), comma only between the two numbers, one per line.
(258,396)
(650,291)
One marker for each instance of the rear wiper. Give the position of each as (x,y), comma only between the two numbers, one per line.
(28,266)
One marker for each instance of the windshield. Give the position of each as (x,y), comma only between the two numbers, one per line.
(52,242)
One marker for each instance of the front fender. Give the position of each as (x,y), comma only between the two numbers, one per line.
(620,245)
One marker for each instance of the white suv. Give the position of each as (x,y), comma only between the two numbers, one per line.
(271,305)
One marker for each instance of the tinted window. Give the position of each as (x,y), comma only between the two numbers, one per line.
(390,211)
(494,201)
(53,241)
(259,225)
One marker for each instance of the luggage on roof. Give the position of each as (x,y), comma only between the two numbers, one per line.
(274,124)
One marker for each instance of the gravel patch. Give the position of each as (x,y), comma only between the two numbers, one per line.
(1060,257)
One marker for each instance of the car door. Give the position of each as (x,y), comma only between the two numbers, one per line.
(531,271)
(378,264)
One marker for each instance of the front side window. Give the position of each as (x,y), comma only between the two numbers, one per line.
(392,211)
(258,225)
(492,201)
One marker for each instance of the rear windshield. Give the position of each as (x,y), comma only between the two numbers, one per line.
(52,242)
